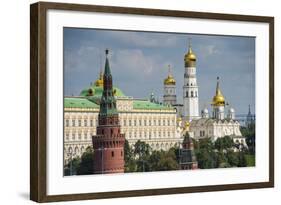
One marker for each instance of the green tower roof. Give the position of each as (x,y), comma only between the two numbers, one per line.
(74,102)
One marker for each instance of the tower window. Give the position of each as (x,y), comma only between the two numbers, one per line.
(191,93)
(186,93)
(112,154)
(121,153)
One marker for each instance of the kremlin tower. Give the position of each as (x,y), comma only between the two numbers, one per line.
(187,157)
(190,87)
(108,144)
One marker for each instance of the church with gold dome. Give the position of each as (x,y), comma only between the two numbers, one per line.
(219,124)
(216,125)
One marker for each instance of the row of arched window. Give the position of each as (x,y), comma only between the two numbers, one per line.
(149,135)
(80,123)
(191,94)
(146,122)
(78,136)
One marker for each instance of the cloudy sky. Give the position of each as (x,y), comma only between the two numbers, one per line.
(139,63)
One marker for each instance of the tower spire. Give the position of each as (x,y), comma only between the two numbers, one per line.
(107,71)
(108,102)
(189,44)
(218,99)
(169,69)
(218,85)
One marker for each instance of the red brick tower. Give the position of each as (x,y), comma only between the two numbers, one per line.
(187,157)
(108,144)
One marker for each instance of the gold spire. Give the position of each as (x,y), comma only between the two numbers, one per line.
(99,81)
(190,57)
(218,99)
(170,79)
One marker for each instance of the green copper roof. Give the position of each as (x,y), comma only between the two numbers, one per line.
(79,103)
(89,102)
(107,68)
(147,105)
(97,91)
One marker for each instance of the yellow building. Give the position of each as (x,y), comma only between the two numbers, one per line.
(140,119)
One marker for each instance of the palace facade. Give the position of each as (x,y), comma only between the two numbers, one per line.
(139,119)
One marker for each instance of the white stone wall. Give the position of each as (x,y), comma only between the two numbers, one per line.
(217,129)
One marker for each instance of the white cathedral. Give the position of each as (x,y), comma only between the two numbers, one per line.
(201,126)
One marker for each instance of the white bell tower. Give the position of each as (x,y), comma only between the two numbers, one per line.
(170,97)
(190,88)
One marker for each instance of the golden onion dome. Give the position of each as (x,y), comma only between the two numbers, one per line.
(170,79)
(187,124)
(99,81)
(190,56)
(218,99)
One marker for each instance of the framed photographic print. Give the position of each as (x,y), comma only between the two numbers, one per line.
(135,102)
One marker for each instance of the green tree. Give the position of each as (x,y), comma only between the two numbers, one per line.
(72,166)
(142,152)
(242,159)
(163,160)
(130,162)
(224,143)
(205,154)
(142,149)
(232,158)
(154,159)
(250,135)
(168,161)
(87,163)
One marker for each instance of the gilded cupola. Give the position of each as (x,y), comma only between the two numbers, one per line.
(170,79)
(190,57)
(218,99)
(99,81)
